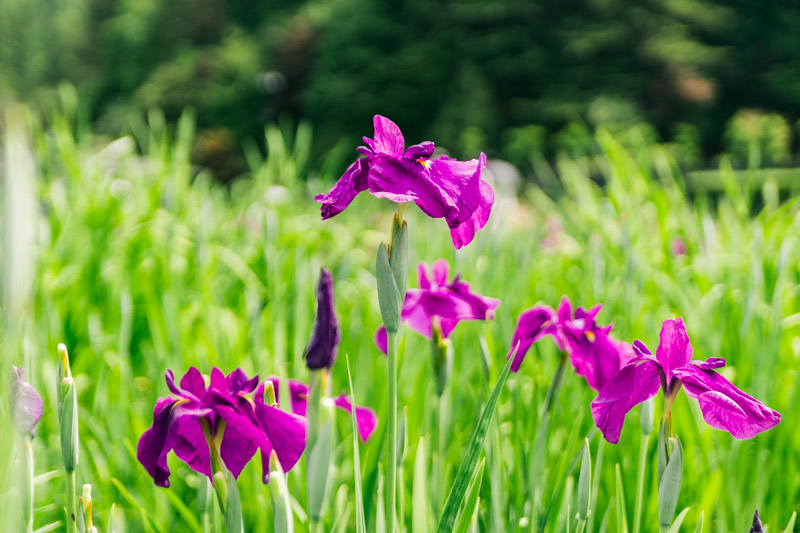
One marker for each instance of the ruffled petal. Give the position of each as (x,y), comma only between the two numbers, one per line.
(422,150)
(452,189)
(401,180)
(387,139)
(532,325)
(723,405)
(636,382)
(366,419)
(176,425)
(464,233)
(674,349)
(352,182)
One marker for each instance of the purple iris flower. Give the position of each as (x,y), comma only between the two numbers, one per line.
(26,404)
(723,406)
(231,407)
(441,187)
(439,303)
(366,419)
(321,350)
(594,354)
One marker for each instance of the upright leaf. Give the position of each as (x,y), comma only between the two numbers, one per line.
(459,488)
(419,491)
(467,512)
(361,525)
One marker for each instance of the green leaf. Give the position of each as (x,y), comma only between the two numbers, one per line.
(402,438)
(457,491)
(622,517)
(676,525)
(318,465)
(233,507)
(419,491)
(380,512)
(388,294)
(399,255)
(670,485)
(469,509)
(361,525)
(790,525)
(661,452)
(699,528)
(585,482)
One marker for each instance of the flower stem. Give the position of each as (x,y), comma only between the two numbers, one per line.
(555,384)
(637,513)
(391,467)
(28,480)
(72,497)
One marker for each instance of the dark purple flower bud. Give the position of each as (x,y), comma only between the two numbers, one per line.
(321,350)
(756,524)
(26,404)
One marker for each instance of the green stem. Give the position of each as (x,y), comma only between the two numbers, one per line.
(555,384)
(72,505)
(598,469)
(391,467)
(637,512)
(28,496)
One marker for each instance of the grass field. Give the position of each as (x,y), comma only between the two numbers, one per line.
(141,264)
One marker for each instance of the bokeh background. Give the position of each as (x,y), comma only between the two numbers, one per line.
(515,78)
(159,162)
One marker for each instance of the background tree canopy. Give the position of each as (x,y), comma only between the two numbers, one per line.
(510,76)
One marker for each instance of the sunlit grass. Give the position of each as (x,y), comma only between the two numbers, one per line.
(143,264)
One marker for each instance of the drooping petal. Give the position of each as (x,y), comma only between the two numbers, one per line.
(638,381)
(387,139)
(532,325)
(176,425)
(26,404)
(321,350)
(464,233)
(723,405)
(674,348)
(366,419)
(452,189)
(352,182)
(242,435)
(285,433)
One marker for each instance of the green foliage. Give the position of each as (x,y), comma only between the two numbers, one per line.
(142,264)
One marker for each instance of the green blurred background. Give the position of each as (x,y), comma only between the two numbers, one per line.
(514,78)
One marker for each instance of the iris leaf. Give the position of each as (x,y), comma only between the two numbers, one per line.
(459,488)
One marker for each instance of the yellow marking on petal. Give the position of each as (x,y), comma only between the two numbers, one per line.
(424,162)
(177,403)
(590,335)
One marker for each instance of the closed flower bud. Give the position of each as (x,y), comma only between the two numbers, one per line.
(26,404)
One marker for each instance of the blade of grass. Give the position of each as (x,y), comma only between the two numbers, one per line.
(361,526)
(457,491)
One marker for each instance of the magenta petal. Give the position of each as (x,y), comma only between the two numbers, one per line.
(723,405)
(189,442)
(464,233)
(176,425)
(298,392)
(710,363)
(401,180)
(597,360)
(352,182)
(387,139)
(674,349)
(366,419)
(452,189)
(239,444)
(285,433)
(419,151)
(635,383)
(382,340)
(532,325)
